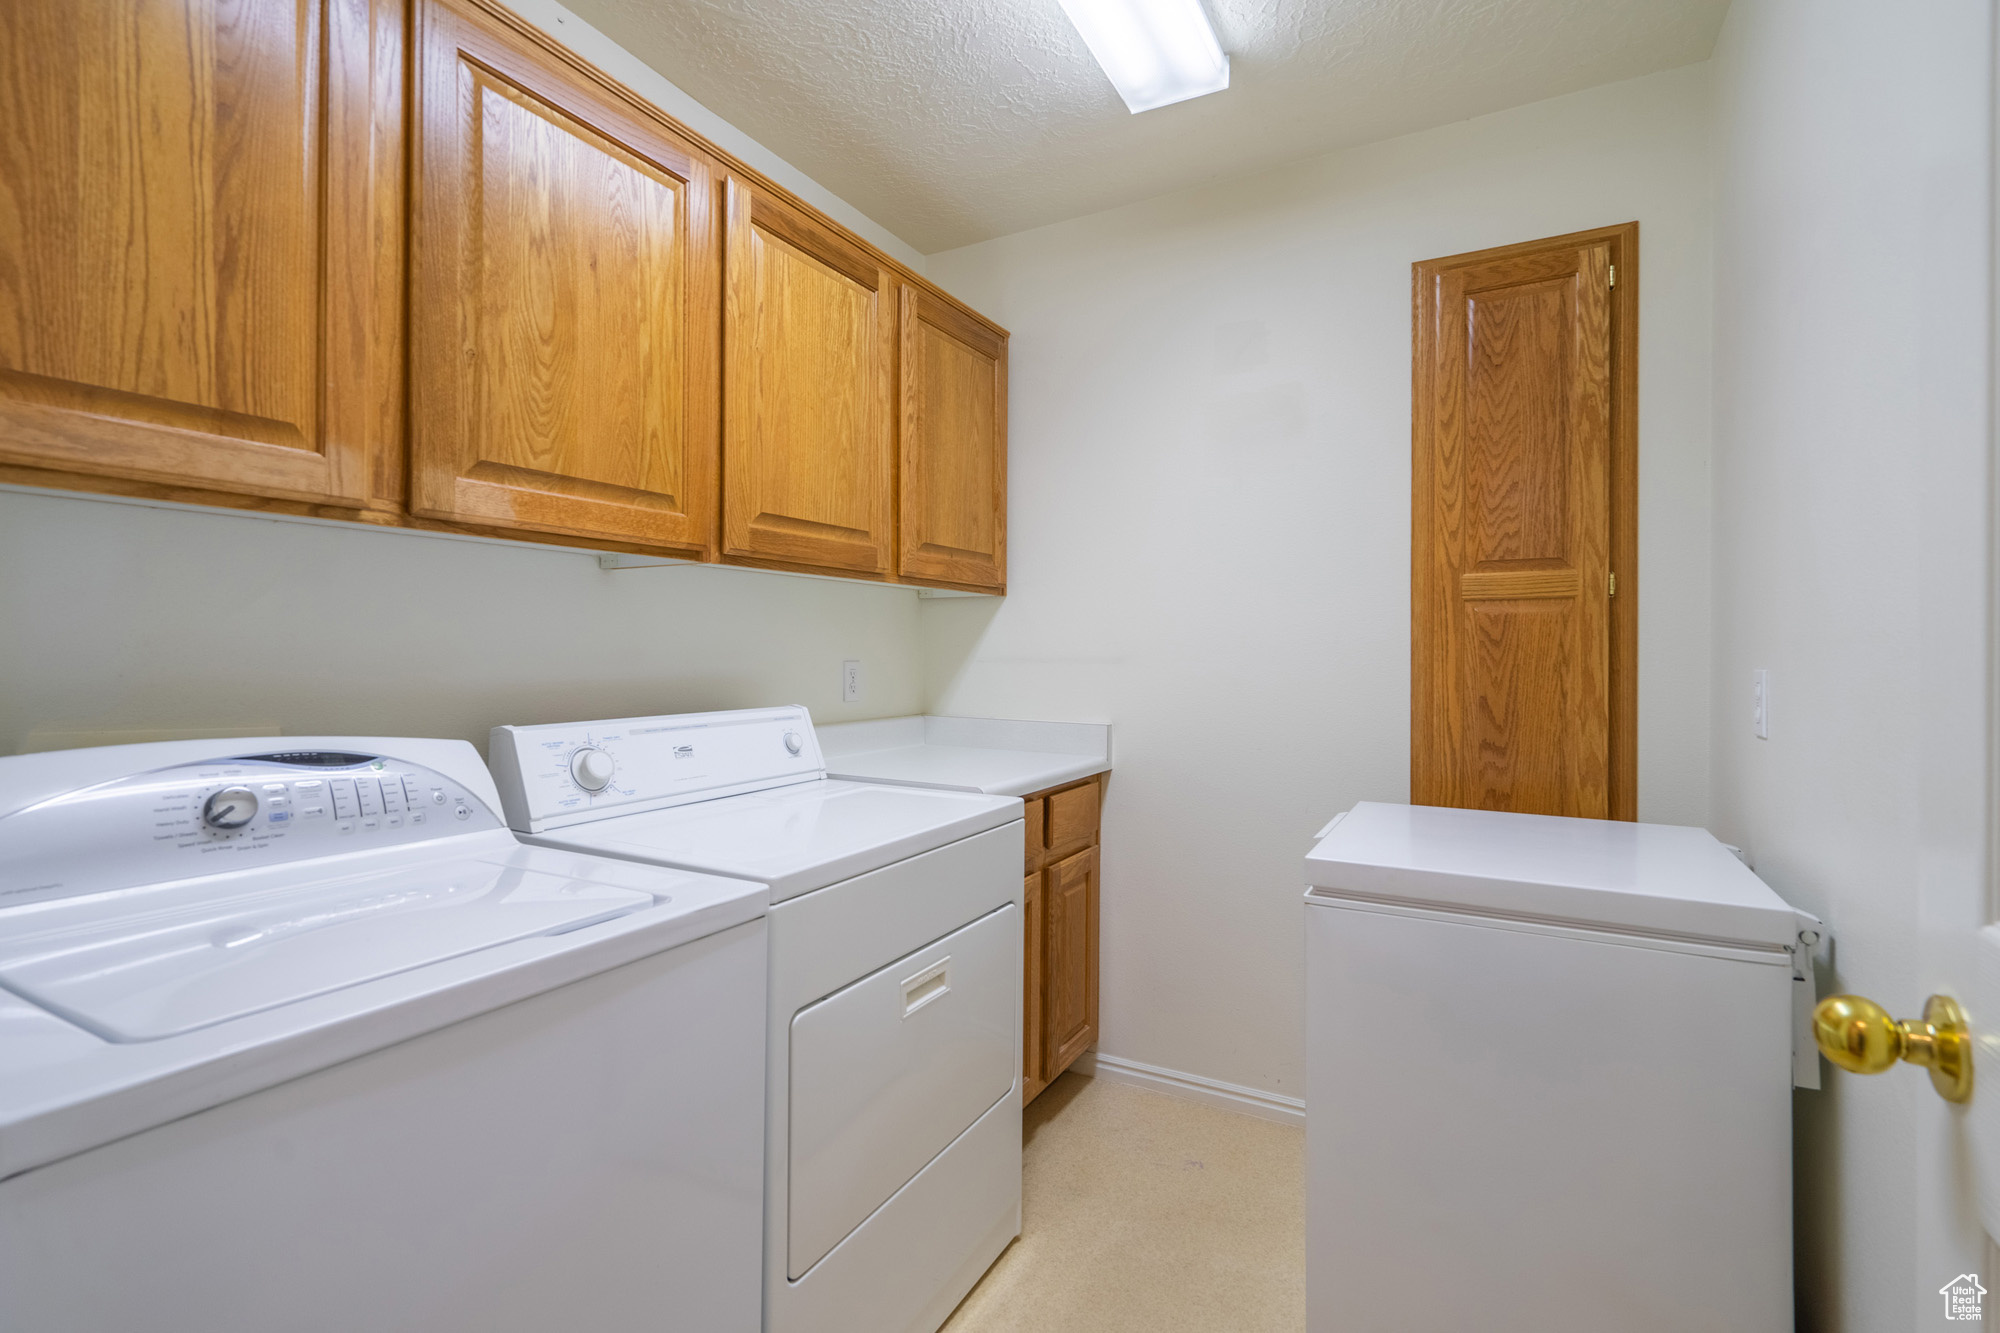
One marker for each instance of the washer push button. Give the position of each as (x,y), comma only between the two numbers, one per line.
(311,796)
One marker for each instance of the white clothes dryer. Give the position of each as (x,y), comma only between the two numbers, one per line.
(893,1121)
(297,1036)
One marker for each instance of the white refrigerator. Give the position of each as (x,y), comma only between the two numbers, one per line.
(1549,1073)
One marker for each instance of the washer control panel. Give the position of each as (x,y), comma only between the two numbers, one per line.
(227,814)
(570,773)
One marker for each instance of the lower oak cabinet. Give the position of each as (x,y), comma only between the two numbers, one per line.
(1059,1018)
(564,314)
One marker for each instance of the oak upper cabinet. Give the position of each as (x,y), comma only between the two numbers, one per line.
(564,302)
(808,364)
(201,247)
(412,261)
(953,487)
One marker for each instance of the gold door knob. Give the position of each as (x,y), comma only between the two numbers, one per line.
(1859,1036)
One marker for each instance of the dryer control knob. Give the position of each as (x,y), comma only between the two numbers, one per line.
(592,768)
(792,741)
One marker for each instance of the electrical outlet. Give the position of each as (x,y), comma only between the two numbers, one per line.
(1760,703)
(850,682)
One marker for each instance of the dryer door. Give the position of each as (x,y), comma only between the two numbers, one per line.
(886,1072)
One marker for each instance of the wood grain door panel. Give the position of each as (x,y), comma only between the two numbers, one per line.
(567,317)
(953,496)
(1034,1051)
(1070,891)
(1031,815)
(1072,818)
(808,362)
(1516,435)
(201,243)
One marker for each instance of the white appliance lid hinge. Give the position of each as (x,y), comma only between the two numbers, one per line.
(1812,933)
(1329,825)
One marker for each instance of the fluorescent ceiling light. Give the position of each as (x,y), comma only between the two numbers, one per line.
(1155,51)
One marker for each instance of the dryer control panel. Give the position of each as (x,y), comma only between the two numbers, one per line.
(227,814)
(570,773)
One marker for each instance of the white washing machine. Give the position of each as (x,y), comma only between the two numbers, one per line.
(303,1038)
(1549,1077)
(893,1121)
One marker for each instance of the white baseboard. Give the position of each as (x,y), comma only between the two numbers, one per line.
(1194,1088)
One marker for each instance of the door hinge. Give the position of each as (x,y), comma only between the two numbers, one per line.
(1612,271)
(1612,588)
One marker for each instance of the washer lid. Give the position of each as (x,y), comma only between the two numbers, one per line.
(795,839)
(145,964)
(1647,879)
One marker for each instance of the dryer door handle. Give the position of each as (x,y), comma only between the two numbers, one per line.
(933,983)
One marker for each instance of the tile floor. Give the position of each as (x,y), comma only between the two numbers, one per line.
(1145,1212)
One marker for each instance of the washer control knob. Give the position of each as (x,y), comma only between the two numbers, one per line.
(230,808)
(792,741)
(592,768)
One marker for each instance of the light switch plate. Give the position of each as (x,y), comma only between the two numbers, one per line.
(1760,703)
(850,681)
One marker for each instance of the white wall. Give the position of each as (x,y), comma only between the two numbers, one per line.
(1851,558)
(1209,520)
(126,619)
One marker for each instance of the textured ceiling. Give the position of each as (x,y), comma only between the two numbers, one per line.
(951,121)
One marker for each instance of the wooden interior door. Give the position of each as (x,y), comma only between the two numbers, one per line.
(566,321)
(809,358)
(1524,507)
(201,243)
(1070,914)
(953,487)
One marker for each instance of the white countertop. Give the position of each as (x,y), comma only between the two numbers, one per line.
(990,755)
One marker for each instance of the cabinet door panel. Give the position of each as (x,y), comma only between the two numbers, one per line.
(1034,1049)
(1071,959)
(808,355)
(1072,818)
(954,446)
(201,242)
(566,323)
(1032,811)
